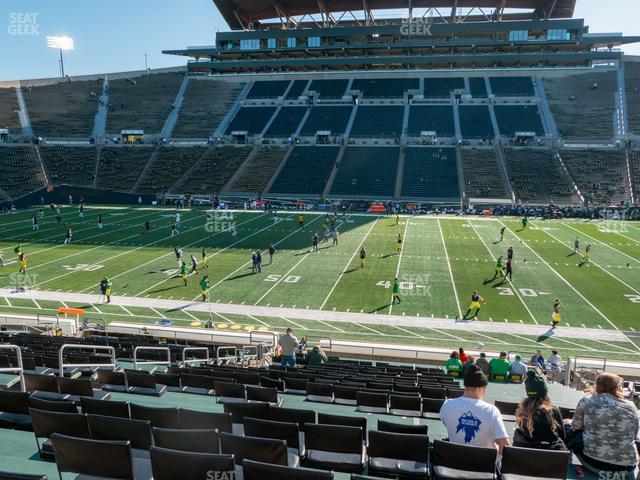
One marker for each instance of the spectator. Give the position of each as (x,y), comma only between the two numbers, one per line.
(462,356)
(517,367)
(316,357)
(288,344)
(609,426)
(472,421)
(453,364)
(499,367)
(537,360)
(538,422)
(483,363)
(554,360)
(471,360)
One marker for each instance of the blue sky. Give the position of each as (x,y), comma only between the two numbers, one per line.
(114,35)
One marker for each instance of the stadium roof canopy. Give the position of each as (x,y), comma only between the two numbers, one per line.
(248,14)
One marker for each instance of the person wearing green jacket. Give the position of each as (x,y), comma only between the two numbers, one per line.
(453,365)
(316,357)
(499,367)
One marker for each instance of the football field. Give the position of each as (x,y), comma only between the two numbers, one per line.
(326,293)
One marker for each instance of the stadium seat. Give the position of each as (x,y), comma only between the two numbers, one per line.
(319,392)
(294,177)
(405,405)
(73,389)
(372,402)
(227,392)
(137,432)
(431,407)
(329,89)
(384,426)
(187,440)
(42,386)
(161,417)
(263,394)
(14,410)
(334,447)
(507,410)
(433,392)
(268,89)
(253,470)
(259,449)
(239,411)
(191,419)
(52,405)
(533,464)
(451,461)
(20,476)
(359,422)
(256,174)
(169,464)
(345,394)
(98,458)
(45,424)
(268,382)
(296,415)
(144,384)
(290,432)
(398,454)
(112,381)
(198,384)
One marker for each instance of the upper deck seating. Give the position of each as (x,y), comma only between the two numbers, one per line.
(367,171)
(430,173)
(306,171)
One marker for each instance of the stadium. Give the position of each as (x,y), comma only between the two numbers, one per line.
(415,189)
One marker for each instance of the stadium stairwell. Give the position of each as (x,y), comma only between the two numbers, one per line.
(23,114)
(100,120)
(548,121)
(232,111)
(171,120)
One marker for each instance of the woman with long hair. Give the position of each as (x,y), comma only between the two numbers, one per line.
(538,422)
(609,426)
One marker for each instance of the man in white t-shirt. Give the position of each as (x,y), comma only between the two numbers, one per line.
(472,421)
(288,344)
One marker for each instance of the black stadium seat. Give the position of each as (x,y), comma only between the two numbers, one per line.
(137,432)
(260,449)
(296,415)
(166,417)
(384,426)
(188,440)
(14,410)
(398,454)
(173,464)
(191,419)
(334,447)
(254,427)
(533,464)
(263,471)
(110,408)
(227,392)
(52,405)
(45,424)
(450,461)
(20,476)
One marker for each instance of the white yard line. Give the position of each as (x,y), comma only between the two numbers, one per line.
(282,278)
(259,321)
(403,246)
(160,314)
(515,290)
(297,325)
(244,265)
(446,255)
(602,243)
(126,310)
(344,270)
(164,255)
(593,263)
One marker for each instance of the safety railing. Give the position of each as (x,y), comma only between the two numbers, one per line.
(195,360)
(136,362)
(256,336)
(95,348)
(227,355)
(249,353)
(19,369)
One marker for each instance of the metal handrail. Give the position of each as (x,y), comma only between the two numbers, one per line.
(271,335)
(326,339)
(151,362)
(226,357)
(195,349)
(19,369)
(79,346)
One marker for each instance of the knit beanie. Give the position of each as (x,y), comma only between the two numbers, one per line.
(535,384)
(475,377)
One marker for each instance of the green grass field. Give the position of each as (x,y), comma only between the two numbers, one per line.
(442,261)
